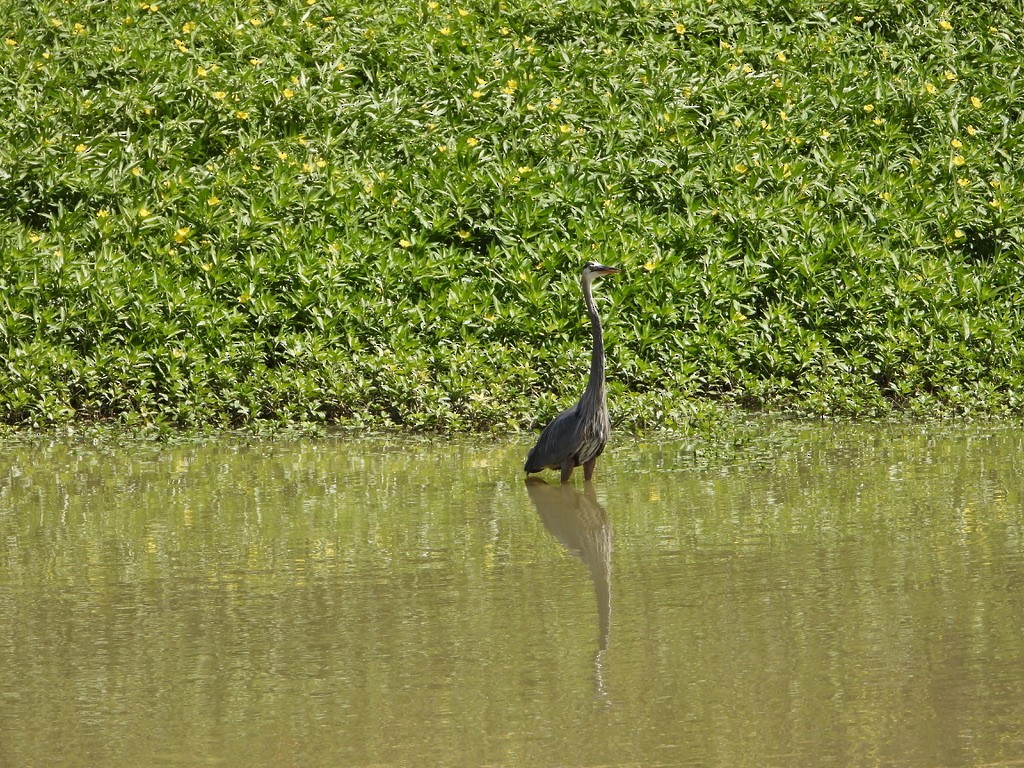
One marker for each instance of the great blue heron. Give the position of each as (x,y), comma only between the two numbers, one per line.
(578,434)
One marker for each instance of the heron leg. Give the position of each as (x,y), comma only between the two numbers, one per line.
(588,468)
(567,468)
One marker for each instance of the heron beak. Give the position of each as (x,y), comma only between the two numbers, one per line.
(609,271)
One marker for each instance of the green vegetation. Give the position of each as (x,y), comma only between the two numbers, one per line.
(227,213)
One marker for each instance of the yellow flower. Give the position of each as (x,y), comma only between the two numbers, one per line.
(201,71)
(282,155)
(956,143)
(929,88)
(958,160)
(136,171)
(242,114)
(975,102)
(256,22)
(964,183)
(958,234)
(869,107)
(525,169)
(404,243)
(971,130)
(781,56)
(431,6)
(945,26)
(995,183)
(878,121)
(825,134)
(650,265)
(463,234)
(212,200)
(477,94)
(144,213)
(181,234)
(80,148)
(463,12)
(472,142)
(11,42)
(245,298)
(949,76)
(442,148)
(445,30)
(995,202)
(188,28)
(219,95)
(680,29)
(565,128)
(288,93)
(102,213)
(740,168)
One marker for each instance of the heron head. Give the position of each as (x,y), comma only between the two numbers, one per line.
(592,269)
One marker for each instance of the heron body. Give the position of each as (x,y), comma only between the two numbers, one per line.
(578,435)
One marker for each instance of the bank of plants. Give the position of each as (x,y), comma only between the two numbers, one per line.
(374,213)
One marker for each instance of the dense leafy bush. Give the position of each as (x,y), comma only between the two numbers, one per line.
(375,212)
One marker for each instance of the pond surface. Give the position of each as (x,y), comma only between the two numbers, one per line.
(822,595)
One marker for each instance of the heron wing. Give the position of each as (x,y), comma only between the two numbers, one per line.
(558,441)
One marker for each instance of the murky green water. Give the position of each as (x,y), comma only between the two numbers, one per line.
(826,596)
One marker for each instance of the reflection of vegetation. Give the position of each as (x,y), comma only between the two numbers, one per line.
(835,591)
(374,212)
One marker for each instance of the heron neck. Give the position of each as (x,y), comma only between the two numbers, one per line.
(595,386)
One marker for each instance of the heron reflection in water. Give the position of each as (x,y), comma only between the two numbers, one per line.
(580,524)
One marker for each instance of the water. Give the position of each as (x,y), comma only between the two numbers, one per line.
(820,596)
